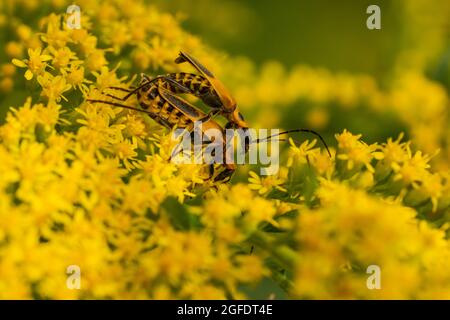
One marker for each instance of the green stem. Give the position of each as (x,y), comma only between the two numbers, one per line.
(282,281)
(283,254)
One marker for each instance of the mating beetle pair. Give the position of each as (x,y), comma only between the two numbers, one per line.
(159,98)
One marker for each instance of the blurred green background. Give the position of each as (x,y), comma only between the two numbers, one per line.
(325,33)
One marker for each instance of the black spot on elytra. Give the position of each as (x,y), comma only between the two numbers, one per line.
(196,86)
(144,105)
(152,93)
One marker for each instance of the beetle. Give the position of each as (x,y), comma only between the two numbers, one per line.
(158,98)
(214,94)
(209,89)
(170,110)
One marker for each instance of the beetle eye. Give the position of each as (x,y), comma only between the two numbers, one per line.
(229,125)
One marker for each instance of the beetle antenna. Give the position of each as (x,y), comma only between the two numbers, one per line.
(298,130)
(131,92)
(118,105)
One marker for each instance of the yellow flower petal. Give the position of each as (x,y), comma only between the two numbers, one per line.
(28,75)
(45,57)
(254,186)
(253,174)
(19,63)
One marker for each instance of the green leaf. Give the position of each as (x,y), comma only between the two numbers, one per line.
(179,216)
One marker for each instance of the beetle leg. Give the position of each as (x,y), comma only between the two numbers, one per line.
(131,92)
(114,97)
(175,152)
(209,115)
(178,148)
(224,176)
(121,106)
(119,88)
(211,171)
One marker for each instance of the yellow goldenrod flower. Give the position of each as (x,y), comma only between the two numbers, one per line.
(266,184)
(76,78)
(323,163)
(413,169)
(53,87)
(126,151)
(7,69)
(355,152)
(93,185)
(302,153)
(95,60)
(55,36)
(61,57)
(363,217)
(106,78)
(36,63)
(431,187)
(6,84)
(394,151)
(14,49)
(24,32)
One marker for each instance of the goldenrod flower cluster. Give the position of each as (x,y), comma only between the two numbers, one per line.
(92,185)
